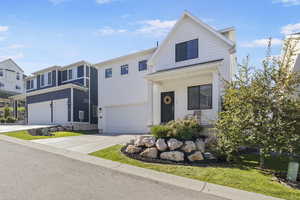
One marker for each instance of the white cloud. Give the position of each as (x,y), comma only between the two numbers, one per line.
(290,28)
(16,46)
(156,27)
(3,28)
(12,56)
(107,30)
(288,2)
(262,43)
(103,1)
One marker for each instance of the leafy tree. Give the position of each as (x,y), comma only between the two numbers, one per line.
(6,112)
(260,108)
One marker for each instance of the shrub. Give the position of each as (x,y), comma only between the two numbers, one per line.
(10,120)
(185,129)
(160,131)
(2,120)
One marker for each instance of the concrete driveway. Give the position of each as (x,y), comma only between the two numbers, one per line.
(87,143)
(12,128)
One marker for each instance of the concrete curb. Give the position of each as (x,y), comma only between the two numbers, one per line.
(199,186)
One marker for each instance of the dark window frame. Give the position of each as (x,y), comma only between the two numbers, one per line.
(108,73)
(199,107)
(124,70)
(42,80)
(18,76)
(143,66)
(183,50)
(1,72)
(49,78)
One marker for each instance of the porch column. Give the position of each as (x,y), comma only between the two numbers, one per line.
(150,102)
(216,93)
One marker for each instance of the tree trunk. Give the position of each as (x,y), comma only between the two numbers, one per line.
(261,159)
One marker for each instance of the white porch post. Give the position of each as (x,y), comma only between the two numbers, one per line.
(216,94)
(150,102)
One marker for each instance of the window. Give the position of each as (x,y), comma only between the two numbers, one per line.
(186,50)
(49,76)
(200,97)
(70,74)
(80,71)
(143,65)
(1,72)
(18,87)
(108,73)
(1,85)
(18,76)
(42,80)
(124,69)
(30,84)
(64,75)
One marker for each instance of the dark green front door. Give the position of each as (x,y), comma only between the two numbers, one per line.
(167,106)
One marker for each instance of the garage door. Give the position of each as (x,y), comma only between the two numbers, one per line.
(60,111)
(39,113)
(126,119)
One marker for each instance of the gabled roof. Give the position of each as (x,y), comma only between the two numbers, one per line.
(12,62)
(198,21)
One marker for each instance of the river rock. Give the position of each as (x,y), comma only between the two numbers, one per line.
(150,153)
(133,149)
(161,145)
(188,146)
(149,141)
(196,156)
(172,155)
(174,144)
(140,141)
(200,144)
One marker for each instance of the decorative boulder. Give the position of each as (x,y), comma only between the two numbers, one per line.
(174,144)
(200,145)
(133,149)
(161,145)
(149,141)
(60,128)
(131,142)
(53,129)
(188,146)
(150,153)
(140,141)
(172,155)
(196,156)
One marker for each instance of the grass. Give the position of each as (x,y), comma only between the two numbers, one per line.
(244,176)
(26,136)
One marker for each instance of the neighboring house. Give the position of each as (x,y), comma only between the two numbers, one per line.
(11,78)
(181,77)
(62,95)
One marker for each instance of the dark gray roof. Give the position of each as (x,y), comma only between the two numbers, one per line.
(187,66)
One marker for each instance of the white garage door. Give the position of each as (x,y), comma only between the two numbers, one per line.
(39,113)
(126,119)
(60,111)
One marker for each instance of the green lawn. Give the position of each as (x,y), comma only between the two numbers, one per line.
(26,136)
(242,176)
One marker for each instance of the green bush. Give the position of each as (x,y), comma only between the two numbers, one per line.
(2,120)
(160,131)
(185,129)
(10,120)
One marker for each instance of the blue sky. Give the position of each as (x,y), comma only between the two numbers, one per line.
(41,33)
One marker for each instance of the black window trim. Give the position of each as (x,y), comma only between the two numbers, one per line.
(143,69)
(211,97)
(124,66)
(105,74)
(186,42)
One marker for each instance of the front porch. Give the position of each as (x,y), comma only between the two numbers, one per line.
(186,91)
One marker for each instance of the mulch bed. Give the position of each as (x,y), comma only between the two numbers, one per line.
(203,163)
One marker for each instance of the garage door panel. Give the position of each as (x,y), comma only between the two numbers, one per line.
(60,111)
(39,113)
(126,119)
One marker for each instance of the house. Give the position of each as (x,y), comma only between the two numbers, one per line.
(181,77)
(11,78)
(11,83)
(65,95)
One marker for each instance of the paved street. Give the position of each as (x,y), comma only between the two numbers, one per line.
(27,173)
(86,143)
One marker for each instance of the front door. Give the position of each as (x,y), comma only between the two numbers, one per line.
(167,106)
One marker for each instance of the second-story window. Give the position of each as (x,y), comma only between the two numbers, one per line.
(70,74)
(42,80)
(49,76)
(1,72)
(30,84)
(143,65)
(18,87)
(18,76)
(186,50)
(80,71)
(1,85)
(108,73)
(124,69)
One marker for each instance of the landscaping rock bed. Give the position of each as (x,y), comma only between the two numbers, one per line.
(169,151)
(48,131)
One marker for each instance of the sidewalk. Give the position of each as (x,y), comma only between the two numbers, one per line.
(198,186)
